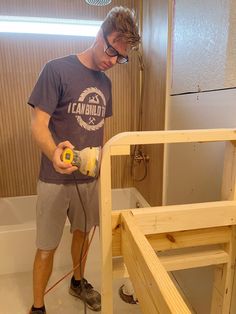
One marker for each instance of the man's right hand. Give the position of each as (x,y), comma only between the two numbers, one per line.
(58,164)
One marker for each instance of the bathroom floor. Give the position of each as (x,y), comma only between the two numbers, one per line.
(16,295)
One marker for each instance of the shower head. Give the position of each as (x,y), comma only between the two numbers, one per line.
(98,2)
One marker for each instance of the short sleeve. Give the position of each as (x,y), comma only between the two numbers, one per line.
(46,92)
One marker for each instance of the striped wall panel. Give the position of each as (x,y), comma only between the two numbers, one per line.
(59,8)
(21,59)
(153,105)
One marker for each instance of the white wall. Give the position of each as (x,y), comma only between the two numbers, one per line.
(194,171)
(203,58)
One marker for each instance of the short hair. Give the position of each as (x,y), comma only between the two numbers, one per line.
(122,20)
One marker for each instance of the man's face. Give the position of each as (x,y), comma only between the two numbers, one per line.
(109,51)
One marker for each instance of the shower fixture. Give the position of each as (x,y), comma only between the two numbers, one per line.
(138,157)
(98,2)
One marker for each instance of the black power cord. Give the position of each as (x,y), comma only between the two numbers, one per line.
(82,249)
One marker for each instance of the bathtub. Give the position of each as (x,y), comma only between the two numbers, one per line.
(17,232)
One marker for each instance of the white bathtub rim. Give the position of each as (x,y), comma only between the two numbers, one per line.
(17,242)
(29,225)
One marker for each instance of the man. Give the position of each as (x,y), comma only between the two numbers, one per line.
(71,100)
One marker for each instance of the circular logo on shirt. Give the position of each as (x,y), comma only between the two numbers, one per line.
(90,109)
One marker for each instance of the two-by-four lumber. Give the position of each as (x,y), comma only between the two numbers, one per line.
(173,240)
(180,260)
(200,238)
(224,286)
(105,233)
(194,259)
(223,282)
(190,238)
(153,286)
(122,143)
(172,136)
(172,218)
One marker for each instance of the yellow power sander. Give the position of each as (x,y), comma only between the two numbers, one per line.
(87,160)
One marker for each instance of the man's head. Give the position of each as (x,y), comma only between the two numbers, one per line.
(118,34)
(121,21)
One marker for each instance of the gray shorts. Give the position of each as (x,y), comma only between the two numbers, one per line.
(58,201)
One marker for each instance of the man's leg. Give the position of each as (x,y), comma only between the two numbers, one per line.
(51,212)
(43,264)
(82,289)
(76,247)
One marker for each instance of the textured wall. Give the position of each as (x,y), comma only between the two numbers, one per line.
(200,45)
(21,59)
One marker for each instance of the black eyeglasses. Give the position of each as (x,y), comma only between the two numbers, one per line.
(112,52)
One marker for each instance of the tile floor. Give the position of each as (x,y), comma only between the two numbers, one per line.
(16,296)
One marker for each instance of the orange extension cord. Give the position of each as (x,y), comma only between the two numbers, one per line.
(71,271)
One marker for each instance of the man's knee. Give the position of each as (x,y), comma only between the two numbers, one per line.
(45,254)
(79,234)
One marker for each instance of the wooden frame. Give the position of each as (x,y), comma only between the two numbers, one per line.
(194,235)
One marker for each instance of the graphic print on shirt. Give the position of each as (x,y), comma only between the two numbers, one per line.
(90,109)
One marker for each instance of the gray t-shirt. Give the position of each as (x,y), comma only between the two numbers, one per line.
(78,100)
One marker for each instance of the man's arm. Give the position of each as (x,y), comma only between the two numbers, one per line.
(43,137)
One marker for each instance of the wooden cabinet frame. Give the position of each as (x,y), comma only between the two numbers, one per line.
(131,239)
